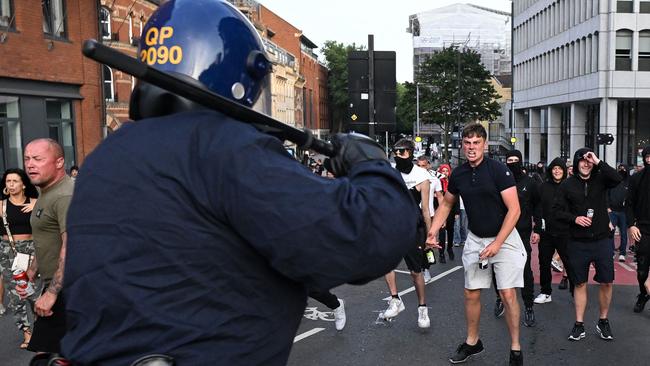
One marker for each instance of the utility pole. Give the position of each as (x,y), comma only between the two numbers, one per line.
(371,86)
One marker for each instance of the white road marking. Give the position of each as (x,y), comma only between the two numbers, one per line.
(433,279)
(307,334)
(400,271)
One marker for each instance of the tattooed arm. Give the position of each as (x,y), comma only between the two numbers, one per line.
(57,281)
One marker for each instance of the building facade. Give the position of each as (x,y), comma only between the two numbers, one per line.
(121,24)
(47,87)
(484,30)
(581,68)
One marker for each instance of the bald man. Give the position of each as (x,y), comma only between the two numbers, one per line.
(45,166)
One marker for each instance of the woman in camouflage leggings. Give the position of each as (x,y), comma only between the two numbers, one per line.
(18,199)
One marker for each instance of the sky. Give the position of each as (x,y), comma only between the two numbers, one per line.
(350,21)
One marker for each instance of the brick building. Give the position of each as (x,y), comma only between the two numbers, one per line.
(121,23)
(47,88)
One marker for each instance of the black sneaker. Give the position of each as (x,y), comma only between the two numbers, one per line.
(442,257)
(640,302)
(516,358)
(604,330)
(563,283)
(578,332)
(499,309)
(452,256)
(465,351)
(529,317)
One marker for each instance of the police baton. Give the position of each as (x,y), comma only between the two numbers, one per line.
(108,56)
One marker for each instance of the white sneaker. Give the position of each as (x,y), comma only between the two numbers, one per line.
(542,299)
(339,315)
(2,310)
(427,276)
(423,317)
(555,265)
(395,306)
(621,258)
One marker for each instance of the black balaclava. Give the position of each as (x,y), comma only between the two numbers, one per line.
(515,168)
(622,170)
(403,165)
(644,153)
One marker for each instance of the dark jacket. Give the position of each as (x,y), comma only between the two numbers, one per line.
(577,195)
(528,193)
(206,237)
(616,196)
(638,197)
(547,193)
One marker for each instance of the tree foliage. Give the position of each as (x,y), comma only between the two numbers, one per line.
(336,57)
(406,107)
(455,89)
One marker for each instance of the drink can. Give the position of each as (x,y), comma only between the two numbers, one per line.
(431,258)
(483,264)
(590,213)
(22,281)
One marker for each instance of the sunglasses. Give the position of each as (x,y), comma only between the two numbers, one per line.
(399,150)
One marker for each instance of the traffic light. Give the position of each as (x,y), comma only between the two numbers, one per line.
(604,139)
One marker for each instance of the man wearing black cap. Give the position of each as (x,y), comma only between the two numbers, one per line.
(528,194)
(638,220)
(582,202)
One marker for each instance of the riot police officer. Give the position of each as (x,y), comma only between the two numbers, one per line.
(194,235)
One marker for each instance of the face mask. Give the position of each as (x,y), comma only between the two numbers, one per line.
(515,168)
(403,165)
(623,173)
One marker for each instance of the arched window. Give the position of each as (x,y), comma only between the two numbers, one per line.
(105,22)
(109,91)
(624,50)
(644,50)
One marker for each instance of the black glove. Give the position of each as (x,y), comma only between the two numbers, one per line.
(351,149)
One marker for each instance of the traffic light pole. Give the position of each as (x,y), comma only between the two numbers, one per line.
(371,86)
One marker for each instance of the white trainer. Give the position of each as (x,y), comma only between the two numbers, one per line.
(2,309)
(395,306)
(542,299)
(621,258)
(423,317)
(339,315)
(556,266)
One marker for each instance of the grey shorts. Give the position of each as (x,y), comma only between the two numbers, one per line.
(508,264)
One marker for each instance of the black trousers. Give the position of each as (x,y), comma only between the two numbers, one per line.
(446,235)
(643,261)
(548,244)
(528,291)
(326,298)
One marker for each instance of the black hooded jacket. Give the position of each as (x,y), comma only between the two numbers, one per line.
(547,193)
(577,195)
(637,203)
(528,194)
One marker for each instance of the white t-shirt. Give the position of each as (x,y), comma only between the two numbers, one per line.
(415,177)
(434,186)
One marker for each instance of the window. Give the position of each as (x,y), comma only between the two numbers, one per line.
(6,15)
(105,22)
(109,91)
(624,50)
(626,6)
(54,18)
(644,50)
(11,153)
(644,6)
(61,127)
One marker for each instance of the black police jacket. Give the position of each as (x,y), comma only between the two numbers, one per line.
(577,195)
(197,236)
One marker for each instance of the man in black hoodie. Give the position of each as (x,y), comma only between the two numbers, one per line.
(616,209)
(638,220)
(582,202)
(554,232)
(528,194)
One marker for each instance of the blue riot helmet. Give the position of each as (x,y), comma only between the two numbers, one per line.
(205,42)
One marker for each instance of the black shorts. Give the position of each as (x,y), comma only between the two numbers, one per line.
(48,331)
(416,260)
(582,254)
